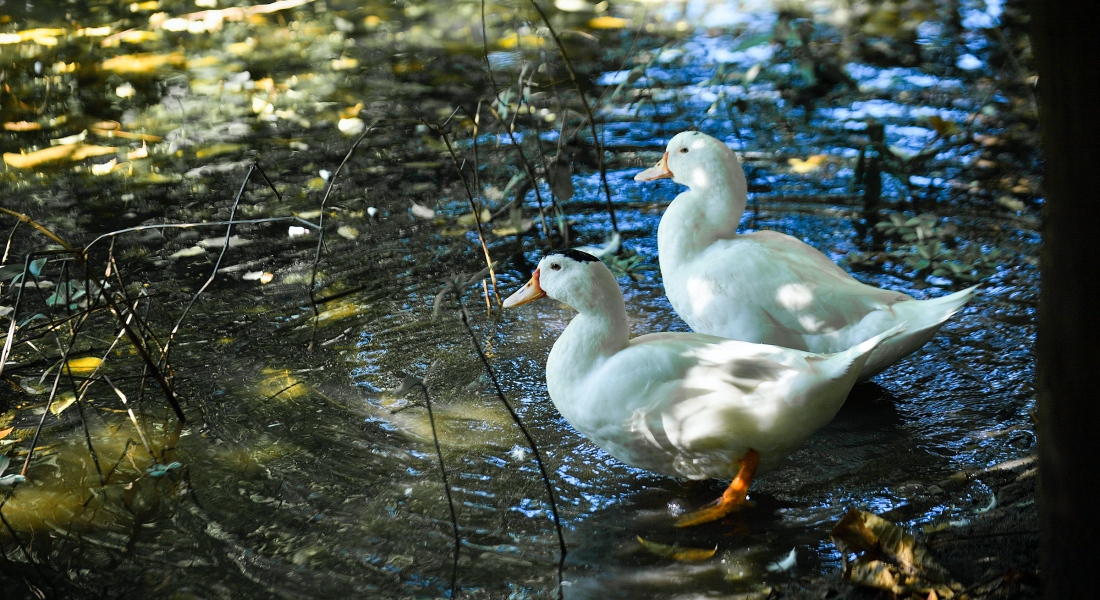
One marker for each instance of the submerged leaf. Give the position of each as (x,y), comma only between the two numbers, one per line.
(677,552)
(467,220)
(61,402)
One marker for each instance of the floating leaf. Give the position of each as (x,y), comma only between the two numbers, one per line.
(467,220)
(22,126)
(783,564)
(83,365)
(352,126)
(61,402)
(806,166)
(188,252)
(943,126)
(56,154)
(421,212)
(607,22)
(217,149)
(104,168)
(145,63)
(677,552)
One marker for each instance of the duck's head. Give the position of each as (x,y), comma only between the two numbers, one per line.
(570,276)
(694,159)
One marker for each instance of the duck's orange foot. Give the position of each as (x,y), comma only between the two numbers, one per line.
(731,500)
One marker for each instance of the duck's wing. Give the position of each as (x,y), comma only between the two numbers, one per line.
(790,285)
(691,405)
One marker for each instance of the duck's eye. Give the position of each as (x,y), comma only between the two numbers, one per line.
(555,267)
(683,150)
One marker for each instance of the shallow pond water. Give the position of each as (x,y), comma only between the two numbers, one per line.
(299,473)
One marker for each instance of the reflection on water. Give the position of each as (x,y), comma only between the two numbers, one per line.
(301,476)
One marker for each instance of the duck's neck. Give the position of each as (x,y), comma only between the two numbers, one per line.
(597,333)
(709,211)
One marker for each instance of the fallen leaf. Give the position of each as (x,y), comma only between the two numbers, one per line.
(351,111)
(347,232)
(422,212)
(217,149)
(145,63)
(352,126)
(61,402)
(888,558)
(677,552)
(805,166)
(943,126)
(467,220)
(142,152)
(22,126)
(104,168)
(56,154)
(6,432)
(606,22)
(188,252)
(83,365)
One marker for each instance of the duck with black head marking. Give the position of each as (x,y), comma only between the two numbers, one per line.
(769,287)
(682,404)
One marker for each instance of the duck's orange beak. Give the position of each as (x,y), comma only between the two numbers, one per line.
(657,171)
(528,293)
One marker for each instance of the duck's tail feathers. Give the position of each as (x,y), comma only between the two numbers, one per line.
(923,314)
(851,361)
(924,318)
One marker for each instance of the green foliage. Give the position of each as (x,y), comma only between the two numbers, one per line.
(929,248)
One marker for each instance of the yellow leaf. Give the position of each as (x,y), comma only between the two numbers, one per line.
(22,126)
(217,149)
(467,220)
(55,154)
(338,312)
(142,64)
(943,126)
(606,22)
(677,552)
(61,402)
(514,40)
(347,232)
(104,168)
(351,111)
(6,432)
(83,365)
(805,166)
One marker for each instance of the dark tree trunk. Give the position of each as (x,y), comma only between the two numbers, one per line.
(1065,35)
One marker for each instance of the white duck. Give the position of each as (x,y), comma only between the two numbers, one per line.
(768,287)
(682,404)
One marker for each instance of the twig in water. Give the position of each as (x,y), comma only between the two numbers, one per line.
(213,272)
(473,207)
(321,222)
(596,143)
(407,385)
(530,442)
